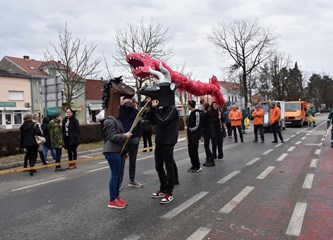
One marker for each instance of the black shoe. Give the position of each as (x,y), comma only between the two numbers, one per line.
(209,164)
(176,182)
(144,151)
(255,140)
(242,141)
(274,141)
(236,141)
(31,172)
(282,141)
(262,141)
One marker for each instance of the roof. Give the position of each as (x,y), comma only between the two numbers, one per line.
(5,73)
(230,86)
(30,66)
(94,89)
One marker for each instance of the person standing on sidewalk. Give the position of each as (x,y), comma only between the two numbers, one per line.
(193,136)
(216,119)
(36,120)
(329,122)
(227,122)
(235,117)
(127,115)
(258,121)
(207,135)
(28,141)
(274,121)
(46,134)
(147,131)
(56,139)
(71,136)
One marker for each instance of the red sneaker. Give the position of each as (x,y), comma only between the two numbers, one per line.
(158,194)
(116,204)
(121,200)
(167,198)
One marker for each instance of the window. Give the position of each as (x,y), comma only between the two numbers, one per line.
(17,117)
(8,117)
(15,95)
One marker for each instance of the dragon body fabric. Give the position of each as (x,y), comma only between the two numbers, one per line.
(145,66)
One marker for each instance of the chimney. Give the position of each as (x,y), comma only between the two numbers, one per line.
(25,57)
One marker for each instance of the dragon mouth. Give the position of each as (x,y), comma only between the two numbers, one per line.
(138,67)
(135,63)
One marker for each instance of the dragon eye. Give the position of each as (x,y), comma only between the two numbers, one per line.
(142,55)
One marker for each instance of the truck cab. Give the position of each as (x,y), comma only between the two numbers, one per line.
(296,112)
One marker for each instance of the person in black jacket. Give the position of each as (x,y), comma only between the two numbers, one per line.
(46,134)
(147,131)
(71,136)
(127,115)
(207,135)
(216,118)
(28,141)
(193,136)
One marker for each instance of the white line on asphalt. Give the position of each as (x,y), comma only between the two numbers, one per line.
(265,172)
(296,221)
(298,132)
(298,142)
(303,138)
(282,157)
(132,237)
(181,139)
(314,163)
(85,156)
(291,148)
(228,177)
(236,200)
(278,145)
(199,234)
(292,136)
(286,140)
(97,169)
(313,144)
(323,140)
(104,162)
(307,134)
(184,205)
(317,152)
(38,184)
(308,181)
(268,151)
(252,161)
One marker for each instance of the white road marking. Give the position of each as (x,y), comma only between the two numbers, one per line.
(298,132)
(286,140)
(265,172)
(307,134)
(292,136)
(38,184)
(184,205)
(85,156)
(314,163)
(236,200)
(308,181)
(296,221)
(298,142)
(313,144)
(228,177)
(97,169)
(268,151)
(278,145)
(317,152)
(181,139)
(303,138)
(132,237)
(104,162)
(291,148)
(199,234)
(282,157)
(252,161)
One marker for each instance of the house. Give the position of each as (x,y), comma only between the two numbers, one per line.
(47,87)
(232,93)
(15,98)
(94,90)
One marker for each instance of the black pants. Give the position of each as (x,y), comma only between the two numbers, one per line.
(164,158)
(209,154)
(261,131)
(277,131)
(132,147)
(193,145)
(146,135)
(31,156)
(235,128)
(229,129)
(217,143)
(72,153)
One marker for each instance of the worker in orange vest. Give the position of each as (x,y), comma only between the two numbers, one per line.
(258,121)
(274,121)
(235,117)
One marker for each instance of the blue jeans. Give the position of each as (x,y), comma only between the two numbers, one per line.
(116,163)
(46,149)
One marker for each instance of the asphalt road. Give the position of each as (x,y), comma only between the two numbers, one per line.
(258,191)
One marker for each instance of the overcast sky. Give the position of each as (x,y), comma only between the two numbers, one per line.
(304,28)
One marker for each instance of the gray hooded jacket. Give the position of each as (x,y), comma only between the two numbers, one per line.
(115,137)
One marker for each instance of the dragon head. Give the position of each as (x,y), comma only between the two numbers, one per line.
(142,64)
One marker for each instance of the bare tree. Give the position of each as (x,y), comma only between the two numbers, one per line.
(74,61)
(151,39)
(247,43)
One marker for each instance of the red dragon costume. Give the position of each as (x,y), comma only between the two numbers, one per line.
(145,66)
